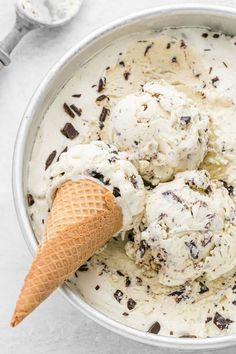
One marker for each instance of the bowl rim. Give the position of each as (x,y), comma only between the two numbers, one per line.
(19,199)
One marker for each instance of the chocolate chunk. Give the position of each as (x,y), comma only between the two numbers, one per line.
(229,188)
(221,322)
(130,235)
(30,199)
(68,110)
(77,95)
(127,282)
(148,184)
(216,35)
(97,287)
(203,288)
(116,192)
(234,289)
(125,314)
(234,303)
(185,119)
(50,158)
(126,75)
(205,35)
(179,295)
(120,273)
(100,177)
(148,48)
(174,60)
(101,84)
(77,110)
(121,63)
(83,268)
(118,295)
(183,44)
(155,328)
(42,221)
(113,159)
(69,131)
(64,150)
(101,98)
(139,281)
(194,252)
(168,46)
(208,189)
(133,180)
(208,319)
(142,248)
(214,80)
(131,304)
(102,117)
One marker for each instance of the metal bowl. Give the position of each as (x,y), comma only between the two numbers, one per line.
(219,18)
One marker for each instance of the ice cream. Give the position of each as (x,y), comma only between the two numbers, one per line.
(102,163)
(201,64)
(191,229)
(160,129)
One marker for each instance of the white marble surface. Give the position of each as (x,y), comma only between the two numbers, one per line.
(55,327)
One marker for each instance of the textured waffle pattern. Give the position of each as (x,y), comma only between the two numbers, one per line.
(84,216)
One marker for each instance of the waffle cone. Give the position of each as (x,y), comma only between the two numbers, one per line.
(83,217)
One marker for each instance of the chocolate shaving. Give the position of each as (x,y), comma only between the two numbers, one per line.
(205,35)
(174,60)
(194,252)
(225,64)
(120,273)
(50,159)
(64,150)
(188,336)
(229,188)
(127,282)
(203,288)
(121,63)
(130,235)
(168,46)
(131,304)
(77,110)
(183,44)
(148,48)
(101,84)
(118,295)
(100,177)
(173,196)
(214,80)
(69,131)
(142,248)
(83,268)
(185,119)
(101,98)
(134,181)
(126,75)
(102,117)
(216,35)
(68,110)
(155,328)
(208,319)
(30,199)
(77,95)
(179,295)
(116,192)
(221,322)
(125,314)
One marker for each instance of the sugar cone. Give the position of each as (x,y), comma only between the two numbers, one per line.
(83,217)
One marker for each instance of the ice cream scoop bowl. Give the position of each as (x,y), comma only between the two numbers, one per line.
(219,18)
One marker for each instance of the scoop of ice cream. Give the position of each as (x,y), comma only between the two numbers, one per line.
(103,163)
(160,129)
(191,229)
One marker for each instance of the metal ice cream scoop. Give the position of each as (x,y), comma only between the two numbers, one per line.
(33,14)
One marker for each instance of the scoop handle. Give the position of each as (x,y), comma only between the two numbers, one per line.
(20,28)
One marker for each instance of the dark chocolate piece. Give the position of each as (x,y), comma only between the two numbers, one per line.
(50,159)
(118,295)
(68,110)
(69,131)
(155,328)
(116,192)
(203,288)
(30,199)
(77,110)
(102,117)
(148,48)
(101,84)
(221,322)
(131,304)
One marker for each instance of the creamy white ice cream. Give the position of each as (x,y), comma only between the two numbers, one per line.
(201,63)
(191,229)
(161,130)
(102,163)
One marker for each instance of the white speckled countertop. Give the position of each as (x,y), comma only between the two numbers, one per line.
(56,327)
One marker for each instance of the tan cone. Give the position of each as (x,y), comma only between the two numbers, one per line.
(83,217)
